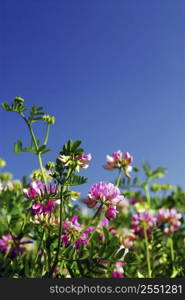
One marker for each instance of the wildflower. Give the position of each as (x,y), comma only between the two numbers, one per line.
(39,189)
(77,162)
(170,218)
(104,194)
(118,270)
(143,220)
(123,205)
(34,191)
(117,161)
(116,274)
(65,240)
(127,238)
(49,207)
(71,225)
(37,208)
(72,230)
(111,213)
(7,246)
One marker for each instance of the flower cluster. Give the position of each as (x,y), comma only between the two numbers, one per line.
(143,221)
(10,246)
(107,194)
(80,161)
(71,228)
(170,218)
(127,238)
(118,270)
(39,208)
(117,161)
(38,189)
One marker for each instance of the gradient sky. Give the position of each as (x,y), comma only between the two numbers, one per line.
(112,73)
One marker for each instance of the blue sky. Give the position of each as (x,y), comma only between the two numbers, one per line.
(112,73)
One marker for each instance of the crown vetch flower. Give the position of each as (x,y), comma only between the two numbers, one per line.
(143,220)
(104,194)
(117,161)
(170,218)
(80,161)
(38,189)
(127,238)
(7,246)
(111,213)
(118,270)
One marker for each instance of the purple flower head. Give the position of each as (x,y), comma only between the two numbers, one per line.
(117,161)
(49,207)
(111,213)
(84,160)
(38,189)
(141,221)
(116,274)
(170,218)
(37,208)
(65,240)
(104,222)
(7,246)
(80,241)
(71,225)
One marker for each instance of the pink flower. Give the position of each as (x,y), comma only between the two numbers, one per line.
(84,160)
(38,189)
(65,240)
(118,270)
(37,208)
(49,207)
(104,192)
(127,238)
(107,194)
(170,218)
(7,246)
(141,221)
(116,274)
(117,161)
(80,161)
(111,213)
(71,225)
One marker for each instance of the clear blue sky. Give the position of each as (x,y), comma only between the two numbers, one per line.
(112,72)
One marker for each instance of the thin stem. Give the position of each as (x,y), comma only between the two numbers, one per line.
(59,235)
(97,212)
(172,252)
(38,250)
(47,134)
(147,253)
(147,195)
(118,179)
(36,146)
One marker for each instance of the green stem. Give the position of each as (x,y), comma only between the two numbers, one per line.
(172,252)
(118,179)
(47,134)
(97,212)
(59,235)
(147,195)
(36,146)
(147,253)
(38,250)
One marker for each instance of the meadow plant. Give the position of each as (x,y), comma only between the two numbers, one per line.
(132,228)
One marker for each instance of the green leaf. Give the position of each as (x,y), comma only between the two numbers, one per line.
(75,180)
